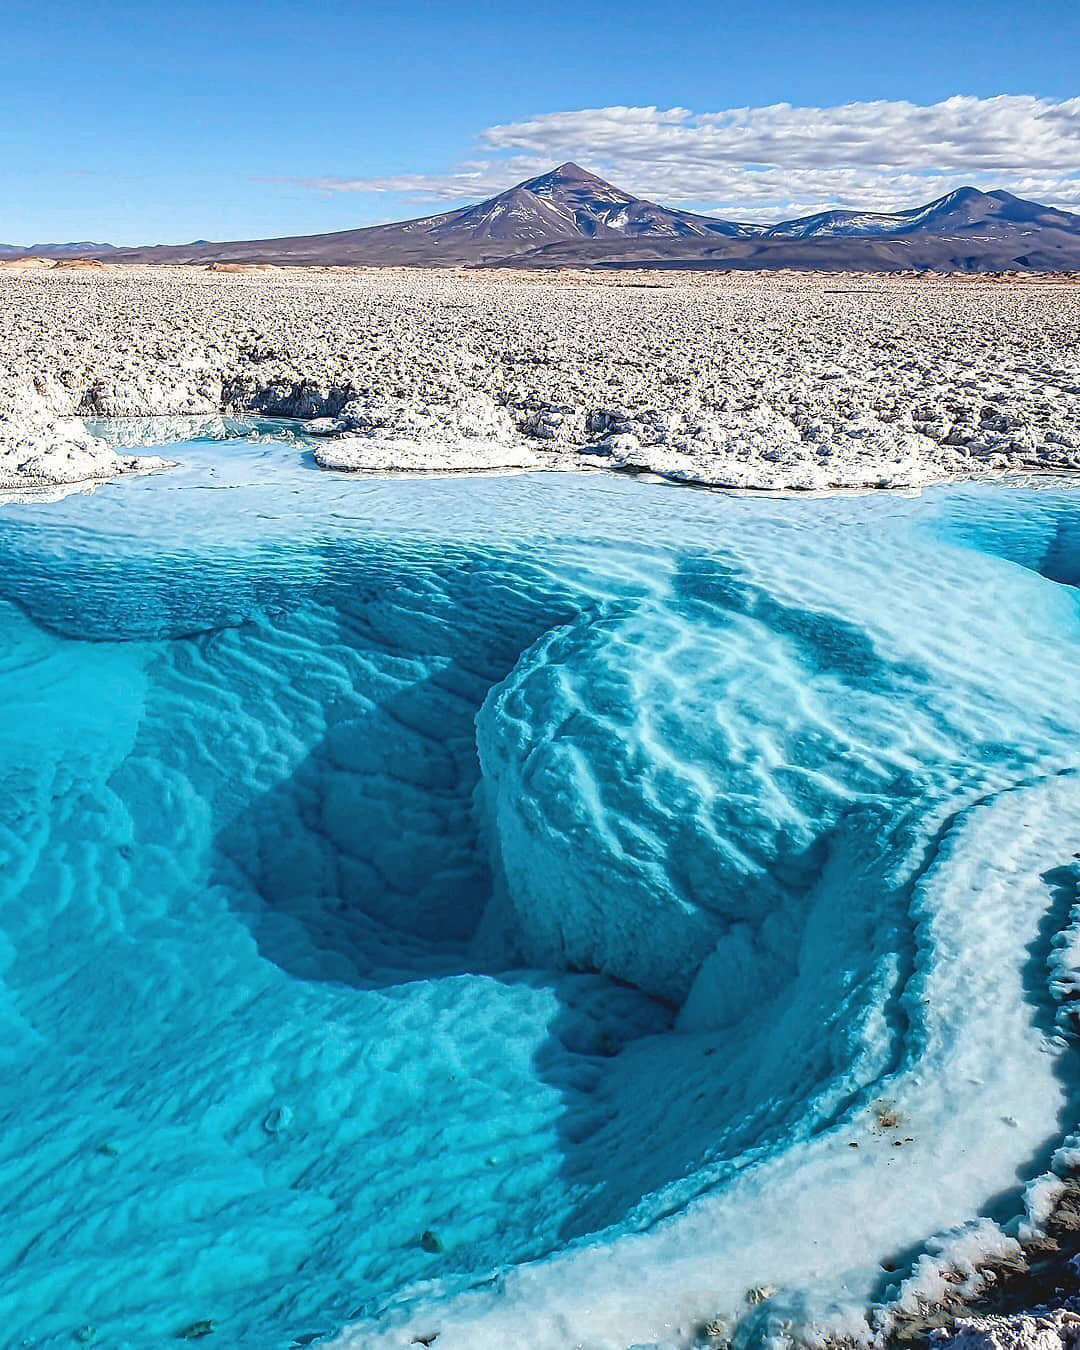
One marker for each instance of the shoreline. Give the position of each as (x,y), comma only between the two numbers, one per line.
(15,489)
(1015,1298)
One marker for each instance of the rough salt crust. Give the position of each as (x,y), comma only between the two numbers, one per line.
(760,380)
(1040,1329)
(41,450)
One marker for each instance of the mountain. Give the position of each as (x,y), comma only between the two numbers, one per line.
(572,218)
(568,206)
(962,212)
(580,205)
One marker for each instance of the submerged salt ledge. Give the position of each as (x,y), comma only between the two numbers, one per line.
(946,1123)
(765,382)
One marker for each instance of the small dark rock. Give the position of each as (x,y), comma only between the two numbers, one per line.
(195,1331)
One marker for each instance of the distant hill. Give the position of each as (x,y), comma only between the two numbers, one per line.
(571,218)
(964,213)
(80,250)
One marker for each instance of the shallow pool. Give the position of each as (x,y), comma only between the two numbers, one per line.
(536,909)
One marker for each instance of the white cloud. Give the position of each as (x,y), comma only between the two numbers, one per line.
(778,159)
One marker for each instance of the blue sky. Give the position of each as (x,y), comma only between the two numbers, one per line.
(166,122)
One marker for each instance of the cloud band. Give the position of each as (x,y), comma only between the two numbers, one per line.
(777,159)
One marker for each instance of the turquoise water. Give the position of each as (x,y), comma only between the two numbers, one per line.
(404,880)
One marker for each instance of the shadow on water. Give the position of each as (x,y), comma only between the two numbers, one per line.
(367,861)
(1061,561)
(367,865)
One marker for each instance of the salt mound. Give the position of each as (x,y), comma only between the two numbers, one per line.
(41,448)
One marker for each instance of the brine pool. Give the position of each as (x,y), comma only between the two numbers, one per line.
(540,910)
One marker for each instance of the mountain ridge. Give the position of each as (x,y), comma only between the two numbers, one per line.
(571,217)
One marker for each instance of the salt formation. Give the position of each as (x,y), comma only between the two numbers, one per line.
(755,381)
(41,447)
(1041,1329)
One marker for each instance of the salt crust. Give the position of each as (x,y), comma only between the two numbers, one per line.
(1039,1329)
(762,381)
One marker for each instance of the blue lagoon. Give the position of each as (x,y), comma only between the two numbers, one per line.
(530,910)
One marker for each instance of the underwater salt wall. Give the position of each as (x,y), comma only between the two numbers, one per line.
(533,910)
